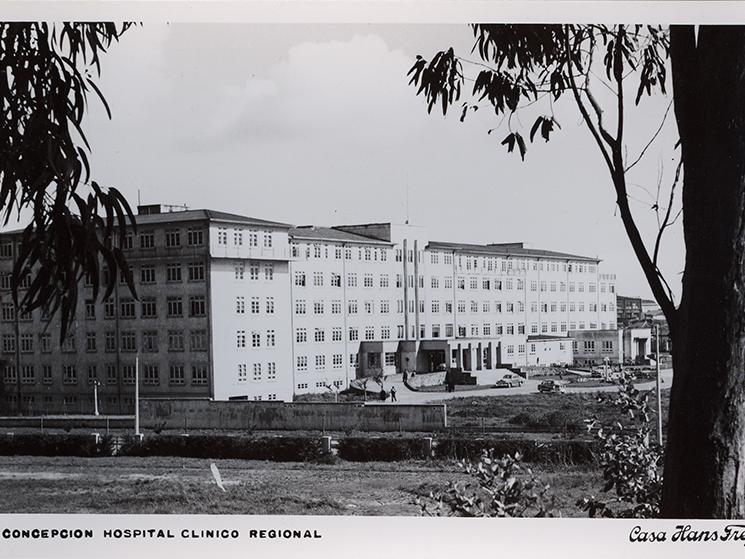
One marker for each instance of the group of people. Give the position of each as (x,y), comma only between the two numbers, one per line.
(384,394)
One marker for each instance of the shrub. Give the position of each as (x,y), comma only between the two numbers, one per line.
(549,452)
(362,449)
(280,449)
(558,420)
(48,445)
(631,463)
(501,487)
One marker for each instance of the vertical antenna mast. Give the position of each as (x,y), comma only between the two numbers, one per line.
(407,197)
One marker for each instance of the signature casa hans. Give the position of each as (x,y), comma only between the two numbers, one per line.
(686,533)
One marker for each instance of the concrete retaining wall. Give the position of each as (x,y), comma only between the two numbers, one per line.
(206,414)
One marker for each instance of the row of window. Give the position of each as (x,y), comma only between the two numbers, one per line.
(254,271)
(150,341)
(367,254)
(173,239)
(150,374)
(259,372)
(333,385)
(237,237)
(195,271)
(607,346)
(336,361)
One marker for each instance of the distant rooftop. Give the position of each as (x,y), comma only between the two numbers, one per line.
(507,249)
(313,232)
(197,215)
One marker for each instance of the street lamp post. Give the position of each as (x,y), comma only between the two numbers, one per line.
(137,395)
(96,384)
(659,391)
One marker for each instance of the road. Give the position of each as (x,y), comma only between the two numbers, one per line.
(406,396)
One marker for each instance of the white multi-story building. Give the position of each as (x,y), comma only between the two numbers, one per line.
(270,310)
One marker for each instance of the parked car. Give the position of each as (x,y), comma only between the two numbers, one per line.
(551,386)
(510,380)
(596,374)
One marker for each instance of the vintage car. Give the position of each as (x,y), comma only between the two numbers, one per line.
(510,380)
(551,386)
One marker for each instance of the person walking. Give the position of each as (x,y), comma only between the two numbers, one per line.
(393,393)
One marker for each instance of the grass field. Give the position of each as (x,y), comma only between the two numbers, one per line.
(495,412)
(185,486)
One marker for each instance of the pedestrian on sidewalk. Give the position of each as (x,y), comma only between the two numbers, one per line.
(393,393)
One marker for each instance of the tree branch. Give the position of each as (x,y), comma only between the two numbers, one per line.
(666,221)
(649,268)
(582,109)
(654,137)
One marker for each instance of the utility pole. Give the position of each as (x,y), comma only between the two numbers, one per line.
(137,395)
(659,392)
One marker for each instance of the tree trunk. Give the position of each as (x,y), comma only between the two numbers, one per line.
(705,454)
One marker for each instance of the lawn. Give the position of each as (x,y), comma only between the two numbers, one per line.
(185,486)
(547,411)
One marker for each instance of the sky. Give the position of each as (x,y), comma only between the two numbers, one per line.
(316,124)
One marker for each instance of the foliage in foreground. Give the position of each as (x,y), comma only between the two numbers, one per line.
(499,487)
(631,462)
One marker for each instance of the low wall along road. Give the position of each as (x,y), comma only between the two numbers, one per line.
(206,414)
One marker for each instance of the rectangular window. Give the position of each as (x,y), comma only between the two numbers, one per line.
(198,340)
(149,308)
(197,305)
(199,375)
(174,306)
(129,342)
(90,342)
(127,308)
(147,274)
(173,238)
(28,376)
(90,310)
(195,237)
(69,374)
(147,240)
(150,341)
(173,273)
(196,271)
(27,343)
(128,374)
(175,340)
(176,375)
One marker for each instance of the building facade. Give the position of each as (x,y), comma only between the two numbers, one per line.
(235,307)
(629,309)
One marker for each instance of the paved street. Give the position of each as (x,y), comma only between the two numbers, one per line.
(406,396)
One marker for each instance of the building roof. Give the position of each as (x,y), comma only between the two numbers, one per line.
(211,215)
(507,249)
(312,232)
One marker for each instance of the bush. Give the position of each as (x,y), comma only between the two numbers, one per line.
(49,445)
(361,449)
(549,452)
(558,420)
(279,449)
(631,461)
(499,487)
